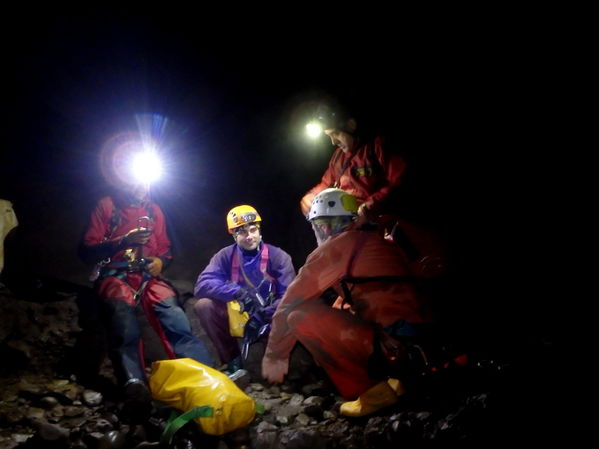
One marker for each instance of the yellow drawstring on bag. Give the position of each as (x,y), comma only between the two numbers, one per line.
(185,384)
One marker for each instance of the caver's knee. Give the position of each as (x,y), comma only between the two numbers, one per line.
(112,288)
(307,311)
(203,306)
(299,318)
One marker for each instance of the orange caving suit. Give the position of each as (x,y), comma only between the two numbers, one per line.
(340,341)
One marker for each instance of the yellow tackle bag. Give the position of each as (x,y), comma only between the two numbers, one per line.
(187,385)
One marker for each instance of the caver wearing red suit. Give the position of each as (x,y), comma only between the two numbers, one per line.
(367,167)
(123,227)
(369,171)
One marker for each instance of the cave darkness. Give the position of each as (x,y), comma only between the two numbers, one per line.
(470,115)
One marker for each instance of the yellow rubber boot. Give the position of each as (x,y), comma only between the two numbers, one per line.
(372,400)
(397,386)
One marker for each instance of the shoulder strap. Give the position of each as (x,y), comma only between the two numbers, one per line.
(264,262)
(115,219)
(347,297)
(357,247)
(373,157)
(176,422)
(237,269)
(350,265)
(349,279)
(344,165)
(150,211)
(379,278)
(235,275)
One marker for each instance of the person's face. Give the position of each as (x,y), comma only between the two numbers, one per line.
(248,237)
(341,139)
(322,230)
(138,192)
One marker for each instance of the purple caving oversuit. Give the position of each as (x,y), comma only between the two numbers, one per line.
(220,283)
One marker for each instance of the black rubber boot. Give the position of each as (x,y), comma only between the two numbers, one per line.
(137,406)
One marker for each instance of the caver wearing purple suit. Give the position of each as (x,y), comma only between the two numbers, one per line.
(250,271)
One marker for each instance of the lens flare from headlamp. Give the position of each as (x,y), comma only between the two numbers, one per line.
(127,160)
(146,167)
(314,129)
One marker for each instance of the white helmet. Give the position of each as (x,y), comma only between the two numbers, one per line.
(333,203)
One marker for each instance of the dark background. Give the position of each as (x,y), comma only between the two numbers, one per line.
(470,109)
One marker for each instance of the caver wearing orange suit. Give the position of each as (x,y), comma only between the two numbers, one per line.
(341,340)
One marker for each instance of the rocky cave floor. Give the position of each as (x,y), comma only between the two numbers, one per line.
(501,396)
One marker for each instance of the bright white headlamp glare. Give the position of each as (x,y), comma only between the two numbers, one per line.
(314,129)
(146,167)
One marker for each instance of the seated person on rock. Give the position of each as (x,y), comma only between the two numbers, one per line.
(127,238)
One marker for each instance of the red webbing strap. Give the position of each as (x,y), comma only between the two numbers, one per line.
(237,269)
(358,246)
(235,277)
(346,290)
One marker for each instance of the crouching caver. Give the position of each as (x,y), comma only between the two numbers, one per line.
(382,304)
(127,236)
(250,271)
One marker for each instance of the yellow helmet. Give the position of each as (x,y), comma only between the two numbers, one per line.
(242,215)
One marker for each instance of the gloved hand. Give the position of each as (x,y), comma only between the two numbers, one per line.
(268,312)
(254,330)
(155,266)
(247,301)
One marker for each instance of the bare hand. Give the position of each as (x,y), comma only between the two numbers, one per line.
(361,220)
(365,215)
(274,370)
(155,266)
(137,237)
(306,203)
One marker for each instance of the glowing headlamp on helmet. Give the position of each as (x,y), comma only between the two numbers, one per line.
(240,216)
(146,166)
(325,117)
(129,160)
